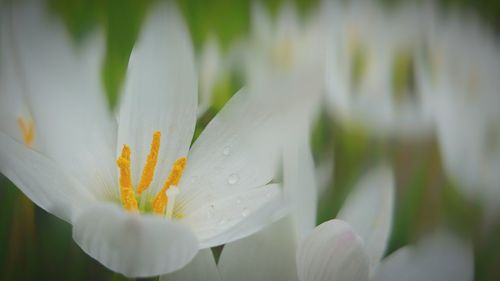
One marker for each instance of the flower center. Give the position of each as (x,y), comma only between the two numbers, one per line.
(282,53)
(164,201)
(27,130)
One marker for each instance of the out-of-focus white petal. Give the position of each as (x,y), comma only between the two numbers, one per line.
(227,217)
(300,186)
(63,83)
(261,22)
(333,251)
(160,94)
(441,256)
(12,86)
(369,211)
(266,255)
(201,268)
(132,244)
(210,68)
(468,133)
(41,179)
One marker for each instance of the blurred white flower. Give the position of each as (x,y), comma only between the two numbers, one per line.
(462,76)
(211,66)
(280,48)
(165,200)
(351,247)
(371,67)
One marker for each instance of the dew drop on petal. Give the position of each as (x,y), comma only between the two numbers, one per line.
(244,213)
(233,179)
(226,151)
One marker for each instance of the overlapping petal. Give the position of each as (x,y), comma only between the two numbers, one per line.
(369,211)
(201,268)
(266,255)
(333,251)
(42,180)
(440,256)
(132,244)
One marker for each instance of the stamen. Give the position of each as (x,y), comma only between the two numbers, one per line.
(126,192)
(28,131)
(172,192)
(149,168)
(161,199)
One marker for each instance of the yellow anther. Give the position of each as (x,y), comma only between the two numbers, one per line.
(126,192)
(149,168)
(161,199)
(28,131)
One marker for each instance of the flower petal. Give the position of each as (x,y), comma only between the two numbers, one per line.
(201,268)
(211,67)
(300,186)
(333,251)
(261,22)
(12,99)
(41,180)
(441,256)
(132,244)
(228,217)
(369,210)
(241,147)
(160,93)
(63,83)
(266,255)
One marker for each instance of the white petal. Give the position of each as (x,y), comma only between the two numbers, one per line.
(227,217)
(261,22)
(369,211)
(441,256)
(237,153)
(160,93)
(300,186)
(41,180)
(201,268)
(210,68)
(63,83)
(266,255)
(12,98)
(333,251)
(132,244)
(241,147)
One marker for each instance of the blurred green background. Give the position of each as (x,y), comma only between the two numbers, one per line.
(35,245)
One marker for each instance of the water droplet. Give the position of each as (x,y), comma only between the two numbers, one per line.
(226,151)
(244,213)
(210,213)
(222,222)
(233,179)
(193,179)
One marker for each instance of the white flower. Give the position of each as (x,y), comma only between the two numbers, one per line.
(463,79)
(351,247)
(371,71)
(287,46)
(165,200)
